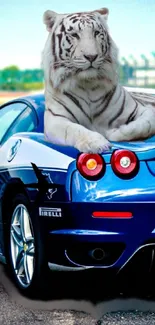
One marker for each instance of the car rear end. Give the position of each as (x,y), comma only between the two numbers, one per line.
(109,212)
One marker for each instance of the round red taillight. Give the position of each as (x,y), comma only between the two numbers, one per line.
(90,165)
(124,163)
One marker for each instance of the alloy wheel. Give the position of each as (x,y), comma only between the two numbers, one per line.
(22,245)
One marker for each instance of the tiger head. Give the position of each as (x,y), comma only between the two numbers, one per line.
(79,47)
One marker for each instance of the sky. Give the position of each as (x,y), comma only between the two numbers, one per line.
(23,34)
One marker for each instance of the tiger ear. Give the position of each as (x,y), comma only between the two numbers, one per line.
(49,18)
(104,12)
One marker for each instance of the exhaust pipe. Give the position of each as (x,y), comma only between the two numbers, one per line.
(97,254)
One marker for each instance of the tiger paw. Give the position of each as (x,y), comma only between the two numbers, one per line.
(95,143)
(118,134)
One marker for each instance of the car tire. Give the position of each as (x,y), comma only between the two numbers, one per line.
(25,253)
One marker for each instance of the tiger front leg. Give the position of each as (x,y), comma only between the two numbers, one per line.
(91,142)
(60,130)
(142,128)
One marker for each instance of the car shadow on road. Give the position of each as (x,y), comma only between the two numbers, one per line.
(90,291)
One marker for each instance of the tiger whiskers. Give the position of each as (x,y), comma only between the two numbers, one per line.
(61,63)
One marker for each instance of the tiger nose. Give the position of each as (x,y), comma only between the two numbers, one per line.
(91,58)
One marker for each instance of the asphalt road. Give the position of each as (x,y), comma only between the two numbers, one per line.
(16,309)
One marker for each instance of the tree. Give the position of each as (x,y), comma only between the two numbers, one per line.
(11,73)
(10,77)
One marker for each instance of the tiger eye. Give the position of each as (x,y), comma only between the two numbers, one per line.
(96,33)
(75,35)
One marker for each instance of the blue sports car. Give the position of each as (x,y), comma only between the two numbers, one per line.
(65,210)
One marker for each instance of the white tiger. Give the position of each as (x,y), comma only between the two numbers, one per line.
(86,107)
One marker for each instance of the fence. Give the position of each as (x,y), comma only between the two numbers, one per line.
(140,73)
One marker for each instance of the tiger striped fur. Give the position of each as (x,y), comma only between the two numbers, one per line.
(86,107)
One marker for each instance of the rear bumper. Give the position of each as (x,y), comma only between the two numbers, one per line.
(74,234)
(140,263)
(77,251)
